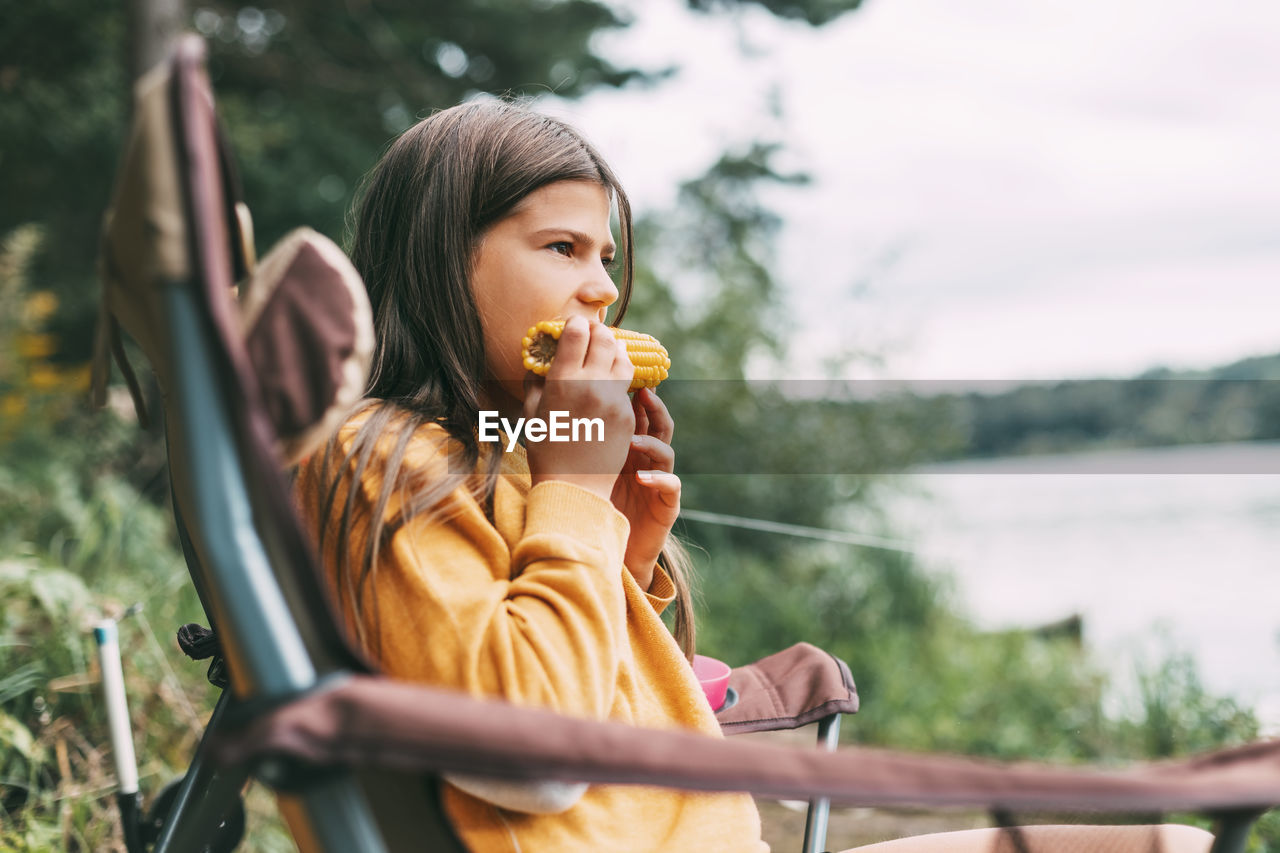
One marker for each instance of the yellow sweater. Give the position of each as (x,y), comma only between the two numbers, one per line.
(537,608)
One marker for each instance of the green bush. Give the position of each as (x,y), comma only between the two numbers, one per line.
(84,537)
(930,680)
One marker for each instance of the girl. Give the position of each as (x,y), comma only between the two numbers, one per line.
(536,574)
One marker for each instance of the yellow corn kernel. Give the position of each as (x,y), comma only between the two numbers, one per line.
(648,355)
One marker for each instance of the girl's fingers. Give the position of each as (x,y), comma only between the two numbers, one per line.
(572,348)
(664,483)
(659,422)
(622,366)
(660,454)
(642,416)
(602,352)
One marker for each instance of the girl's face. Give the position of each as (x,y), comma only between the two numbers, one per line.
(548,259)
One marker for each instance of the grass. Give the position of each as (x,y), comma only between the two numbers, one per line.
(72,557)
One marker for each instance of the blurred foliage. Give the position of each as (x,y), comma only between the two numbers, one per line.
(82,541)
(31,384)
(815,12)
(62,114)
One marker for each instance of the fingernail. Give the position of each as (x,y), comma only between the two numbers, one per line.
(644,476)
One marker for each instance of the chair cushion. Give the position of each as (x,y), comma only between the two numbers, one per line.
(788,689)
(308,330)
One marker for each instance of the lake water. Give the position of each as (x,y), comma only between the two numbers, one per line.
(1159,550)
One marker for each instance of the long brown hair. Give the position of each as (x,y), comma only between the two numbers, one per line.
(420,215)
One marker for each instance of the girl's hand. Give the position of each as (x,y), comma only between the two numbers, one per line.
(648,491)
(588,379)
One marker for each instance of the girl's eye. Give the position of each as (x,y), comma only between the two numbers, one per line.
(561,247)
(607,263)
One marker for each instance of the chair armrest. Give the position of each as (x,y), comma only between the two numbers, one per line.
(367,721)
(788,689)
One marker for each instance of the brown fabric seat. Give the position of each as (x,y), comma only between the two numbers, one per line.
(789,689)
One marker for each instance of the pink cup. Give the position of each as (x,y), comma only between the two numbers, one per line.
(713,675)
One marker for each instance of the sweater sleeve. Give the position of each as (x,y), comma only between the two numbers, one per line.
(662,590)
(542,623)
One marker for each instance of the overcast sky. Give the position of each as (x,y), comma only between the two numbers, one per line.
(1013,189)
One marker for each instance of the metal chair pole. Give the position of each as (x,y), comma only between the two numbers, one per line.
(815,827)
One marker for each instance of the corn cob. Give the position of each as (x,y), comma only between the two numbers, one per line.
(646,353)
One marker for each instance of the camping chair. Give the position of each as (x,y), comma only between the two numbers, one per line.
(355,758)
(249,384)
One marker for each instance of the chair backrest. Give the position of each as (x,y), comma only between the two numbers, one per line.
(240,396)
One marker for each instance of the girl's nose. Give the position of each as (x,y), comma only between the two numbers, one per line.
(599,289)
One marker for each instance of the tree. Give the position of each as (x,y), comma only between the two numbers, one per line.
(310,94)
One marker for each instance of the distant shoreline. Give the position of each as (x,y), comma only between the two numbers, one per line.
(1248,458)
